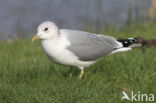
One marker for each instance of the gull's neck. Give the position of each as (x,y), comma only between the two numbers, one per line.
(55,39)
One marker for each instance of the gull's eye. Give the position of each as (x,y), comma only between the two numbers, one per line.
(45,29)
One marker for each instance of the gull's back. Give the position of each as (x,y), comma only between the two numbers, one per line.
(89,46)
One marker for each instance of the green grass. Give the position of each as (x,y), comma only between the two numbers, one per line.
(28,76)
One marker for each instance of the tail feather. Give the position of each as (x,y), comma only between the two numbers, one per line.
(127,44)
(124,49)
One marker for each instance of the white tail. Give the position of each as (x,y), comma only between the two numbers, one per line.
(124,49)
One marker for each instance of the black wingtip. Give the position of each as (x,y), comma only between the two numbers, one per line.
(132,41)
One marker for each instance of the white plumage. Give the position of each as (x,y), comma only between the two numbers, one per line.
(76,48)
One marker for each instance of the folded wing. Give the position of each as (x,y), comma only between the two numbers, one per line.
(88,46)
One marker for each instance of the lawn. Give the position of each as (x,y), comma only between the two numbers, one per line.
(28,76)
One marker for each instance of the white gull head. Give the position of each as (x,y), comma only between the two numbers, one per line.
(48,30)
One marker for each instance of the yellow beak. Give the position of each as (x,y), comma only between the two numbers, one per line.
(35,38)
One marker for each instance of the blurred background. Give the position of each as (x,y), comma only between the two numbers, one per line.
(20,18)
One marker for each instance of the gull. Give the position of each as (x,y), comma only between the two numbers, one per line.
(76,48)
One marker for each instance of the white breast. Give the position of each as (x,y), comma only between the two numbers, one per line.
(56,49)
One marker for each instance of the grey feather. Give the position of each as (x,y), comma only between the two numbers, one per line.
(88,46)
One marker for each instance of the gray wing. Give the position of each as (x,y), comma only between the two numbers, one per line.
(89,47)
